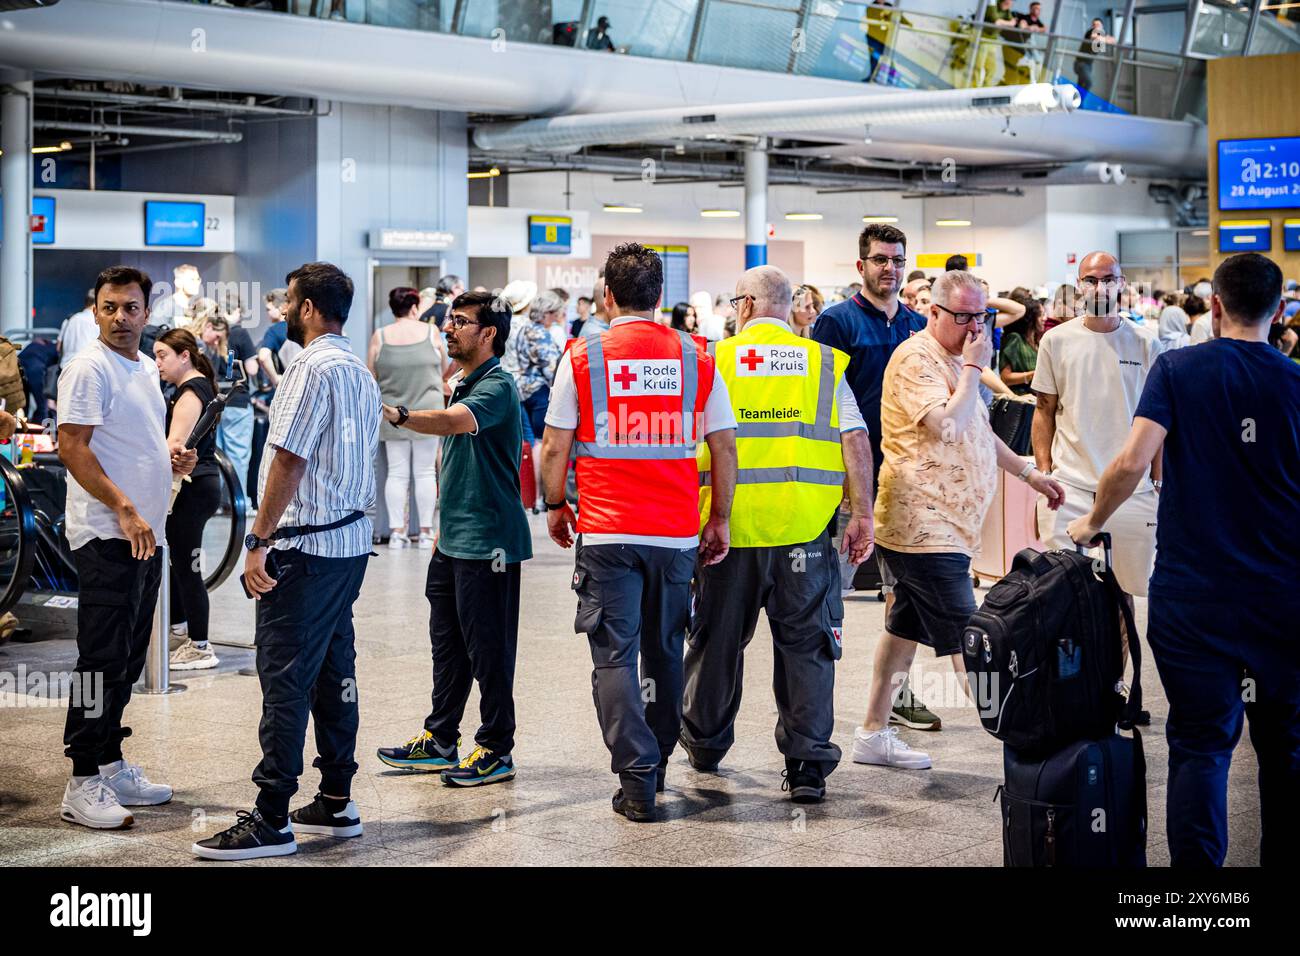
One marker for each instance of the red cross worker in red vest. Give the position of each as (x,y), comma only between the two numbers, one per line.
(633,402)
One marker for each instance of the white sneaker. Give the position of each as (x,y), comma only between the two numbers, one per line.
(426,542)
(128,783)
(886,749)
(190,657)
(95,805)
(397,541)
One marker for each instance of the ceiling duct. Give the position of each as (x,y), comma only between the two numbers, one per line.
(572,132)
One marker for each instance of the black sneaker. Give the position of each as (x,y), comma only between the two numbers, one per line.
(316,817)
(804,780)
(251,837)
(660,775)
(635,810)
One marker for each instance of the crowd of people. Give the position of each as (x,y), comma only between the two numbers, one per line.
(706,460)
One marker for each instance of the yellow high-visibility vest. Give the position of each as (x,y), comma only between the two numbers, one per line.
(790,470)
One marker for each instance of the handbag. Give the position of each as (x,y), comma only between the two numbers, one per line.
(1013,422)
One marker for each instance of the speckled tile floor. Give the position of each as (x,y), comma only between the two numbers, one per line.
(204,743)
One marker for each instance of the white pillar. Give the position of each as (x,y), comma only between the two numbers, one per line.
(756,206)
(16,186)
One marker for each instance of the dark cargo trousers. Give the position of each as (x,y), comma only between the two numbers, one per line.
(306,662)
(634,601)
(116,597)
(799,588)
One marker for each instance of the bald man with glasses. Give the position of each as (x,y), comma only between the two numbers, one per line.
(1088,380)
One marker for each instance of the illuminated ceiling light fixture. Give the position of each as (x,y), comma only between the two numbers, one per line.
(484,173)
(952,222)
(803,217)
(720,213)
(62,147)
(880,219)
(622,207)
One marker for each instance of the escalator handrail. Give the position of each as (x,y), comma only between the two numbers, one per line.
(238,509)
(16,489)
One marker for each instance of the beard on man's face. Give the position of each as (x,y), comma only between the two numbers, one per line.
(295,331)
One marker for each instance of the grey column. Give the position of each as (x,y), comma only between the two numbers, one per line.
(16,185)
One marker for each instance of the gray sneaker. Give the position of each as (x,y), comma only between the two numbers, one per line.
(190,657)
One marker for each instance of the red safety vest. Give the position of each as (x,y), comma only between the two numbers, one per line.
(641,389)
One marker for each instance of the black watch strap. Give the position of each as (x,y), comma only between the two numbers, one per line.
(557,505)
(403,413)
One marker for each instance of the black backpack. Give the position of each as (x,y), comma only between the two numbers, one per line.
(1044,656)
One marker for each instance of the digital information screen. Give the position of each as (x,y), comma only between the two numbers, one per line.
(173,223)
(677,274)
(1259,173)
(550,234)
(1245,235)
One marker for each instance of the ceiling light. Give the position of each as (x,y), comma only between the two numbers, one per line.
(621,207)
(1200,232)
(803,216)
(880,219)
(485,173)
(720,213)
(62,147)
(952,222)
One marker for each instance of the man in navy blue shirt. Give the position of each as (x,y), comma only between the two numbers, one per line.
(869,326)
(1222,616)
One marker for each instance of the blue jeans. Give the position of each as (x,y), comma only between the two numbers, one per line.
(235,439)
(1209,656)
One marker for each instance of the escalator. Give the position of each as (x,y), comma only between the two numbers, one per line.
(38,578)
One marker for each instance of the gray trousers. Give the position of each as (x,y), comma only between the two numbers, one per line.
(634,601)
(799,588)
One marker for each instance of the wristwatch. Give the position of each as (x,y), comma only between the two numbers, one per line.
(402,415)
(557,505)
(252,542)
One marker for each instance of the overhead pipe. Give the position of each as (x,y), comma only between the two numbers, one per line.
(170,102)
(163,132)
(572,132)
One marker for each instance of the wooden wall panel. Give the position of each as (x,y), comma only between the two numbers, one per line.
(1252,96)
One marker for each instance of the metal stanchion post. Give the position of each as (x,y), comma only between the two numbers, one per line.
(157,677)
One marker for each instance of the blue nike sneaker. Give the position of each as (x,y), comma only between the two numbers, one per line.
(480,767)
(421,752)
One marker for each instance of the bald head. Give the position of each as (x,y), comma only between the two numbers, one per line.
(1098,260)
(770,289)
(1101,283)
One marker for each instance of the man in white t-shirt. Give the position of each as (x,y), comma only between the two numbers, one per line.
(1089,377)
(79,330)
(113,443)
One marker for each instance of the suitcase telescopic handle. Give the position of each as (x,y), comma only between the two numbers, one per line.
(1103,539)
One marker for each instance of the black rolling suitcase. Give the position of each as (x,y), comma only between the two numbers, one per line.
(1084,806)
(1045,652)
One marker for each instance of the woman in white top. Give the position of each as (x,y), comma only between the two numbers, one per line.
(408,359)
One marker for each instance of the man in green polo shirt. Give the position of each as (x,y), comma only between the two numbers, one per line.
(473,583)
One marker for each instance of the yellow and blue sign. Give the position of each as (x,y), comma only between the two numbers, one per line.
(551,235)
(1245,235)
(1291,235)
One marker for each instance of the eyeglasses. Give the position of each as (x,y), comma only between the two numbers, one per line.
(458,323)
(1092,282)
(963,318)
(735,303)
(898,262)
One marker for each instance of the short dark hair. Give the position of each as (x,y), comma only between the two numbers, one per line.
(879,232)
(635,277)
(403,299)
(492,312)
(956,263)
(916,274)
(124,275)
(586,298)
(328,287)
(562,293)
(1249,286)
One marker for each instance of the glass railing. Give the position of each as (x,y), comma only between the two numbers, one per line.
(858,42)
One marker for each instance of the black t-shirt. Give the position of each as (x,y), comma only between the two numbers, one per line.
(207,447)
(241,343)
(436,314)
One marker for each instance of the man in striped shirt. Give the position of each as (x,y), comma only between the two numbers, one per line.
(306,559)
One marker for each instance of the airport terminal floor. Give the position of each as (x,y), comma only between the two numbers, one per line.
(556,811)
